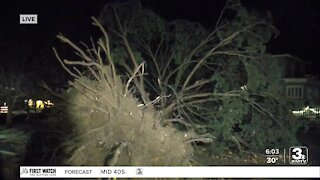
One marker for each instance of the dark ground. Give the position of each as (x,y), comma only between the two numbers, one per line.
(43,148)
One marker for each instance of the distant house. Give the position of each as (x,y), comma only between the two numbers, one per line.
(305,91)
(300,87)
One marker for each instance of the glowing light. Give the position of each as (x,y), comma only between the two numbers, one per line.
(48,103)
(307,111)
(30,103)
(39,105)
(4,108)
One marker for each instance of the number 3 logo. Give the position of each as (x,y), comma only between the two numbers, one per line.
(298,153)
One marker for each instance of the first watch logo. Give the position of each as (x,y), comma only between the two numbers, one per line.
(298,155)
(24,171)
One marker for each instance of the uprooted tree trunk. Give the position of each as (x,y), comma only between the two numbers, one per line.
(111,126)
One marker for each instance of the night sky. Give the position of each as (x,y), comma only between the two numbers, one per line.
(297,20)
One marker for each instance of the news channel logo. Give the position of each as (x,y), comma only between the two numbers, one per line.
(298,155)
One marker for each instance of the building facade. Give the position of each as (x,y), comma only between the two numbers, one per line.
(304,91)
(301,88)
